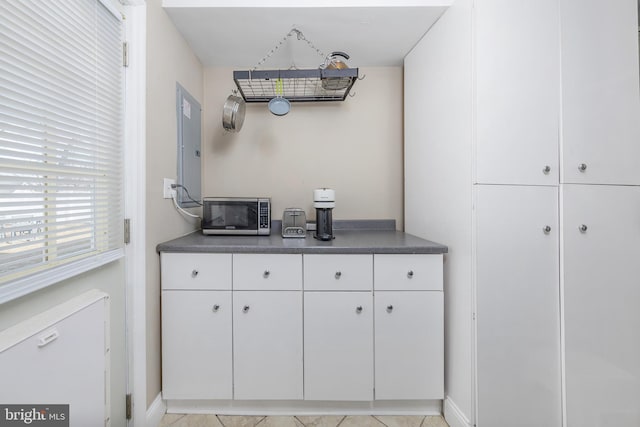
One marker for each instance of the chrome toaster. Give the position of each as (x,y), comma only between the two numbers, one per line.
(294,223)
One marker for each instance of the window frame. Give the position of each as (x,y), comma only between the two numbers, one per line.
(42,275)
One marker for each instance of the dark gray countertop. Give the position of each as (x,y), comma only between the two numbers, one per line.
(350,238)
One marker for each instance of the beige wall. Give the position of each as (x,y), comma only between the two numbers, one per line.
(354,147)
(169,60)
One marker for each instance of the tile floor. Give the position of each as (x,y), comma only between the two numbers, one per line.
(202,420)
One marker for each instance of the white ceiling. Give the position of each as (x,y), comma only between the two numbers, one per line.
(242,36)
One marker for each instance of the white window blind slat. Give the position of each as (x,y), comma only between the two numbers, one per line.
(29,99)
(56,61)
(61,136)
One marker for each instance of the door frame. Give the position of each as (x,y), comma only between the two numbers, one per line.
(135,209)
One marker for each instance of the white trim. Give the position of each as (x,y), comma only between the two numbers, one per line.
(453,415)
(34,282)
(304,407)
(304,3)
(155,412)
(135,156)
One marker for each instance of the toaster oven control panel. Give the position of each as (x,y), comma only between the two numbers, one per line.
(293,232)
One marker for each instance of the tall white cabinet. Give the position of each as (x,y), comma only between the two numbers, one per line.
(522,130)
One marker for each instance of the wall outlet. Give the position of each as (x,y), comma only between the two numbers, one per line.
(167,191)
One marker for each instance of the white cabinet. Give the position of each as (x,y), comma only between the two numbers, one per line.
(267,345)
(488,91)
(267,271)
(196,345)
(518,309)
(196,326)
(409,345)
(600,91)
(338,346)
(267,326)
(517,91)
(240,327)
(190,271)
(408,272)
(409,327)
(338,327)
(601,254)
(340,272)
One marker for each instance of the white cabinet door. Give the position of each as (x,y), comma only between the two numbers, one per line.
(601,298)
(517,91)
(409,345)
(408,272)
(196,345)
(600,91)
(338,346)
(260,272)
(338,272)
(518,314)
(267,344)
(195,271)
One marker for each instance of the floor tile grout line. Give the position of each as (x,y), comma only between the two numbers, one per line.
(380,421)
(341,421)
(264,417)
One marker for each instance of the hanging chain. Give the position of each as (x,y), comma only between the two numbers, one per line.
(299,36)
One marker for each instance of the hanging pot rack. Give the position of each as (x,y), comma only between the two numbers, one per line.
(297,85)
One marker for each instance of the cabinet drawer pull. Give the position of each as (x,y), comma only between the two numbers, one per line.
(583,228)
(582,167)
(195,273)
(410,274)
(359,309)
(215,308)
(266,274)
(389,308)
(48,338)
(245,308)
(546,229)
(546,169)
(338,274)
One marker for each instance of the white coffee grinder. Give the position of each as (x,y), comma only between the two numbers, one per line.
(324,200)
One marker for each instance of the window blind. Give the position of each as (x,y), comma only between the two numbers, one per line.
(61,137)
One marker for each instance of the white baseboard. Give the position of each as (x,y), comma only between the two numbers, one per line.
(155,412)
(453,415)
(304,407)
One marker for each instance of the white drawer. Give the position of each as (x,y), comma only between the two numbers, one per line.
(195,271)
(338,272)
(260,272)
(408,272)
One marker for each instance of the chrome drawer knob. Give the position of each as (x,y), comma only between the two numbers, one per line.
(266,274)
(389,308)
(546,169)
(359,309)
(582,167)
(410,274)
(195,273)
(546,229)
(338,274)
(583,228)
(215,308)
(245,308)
